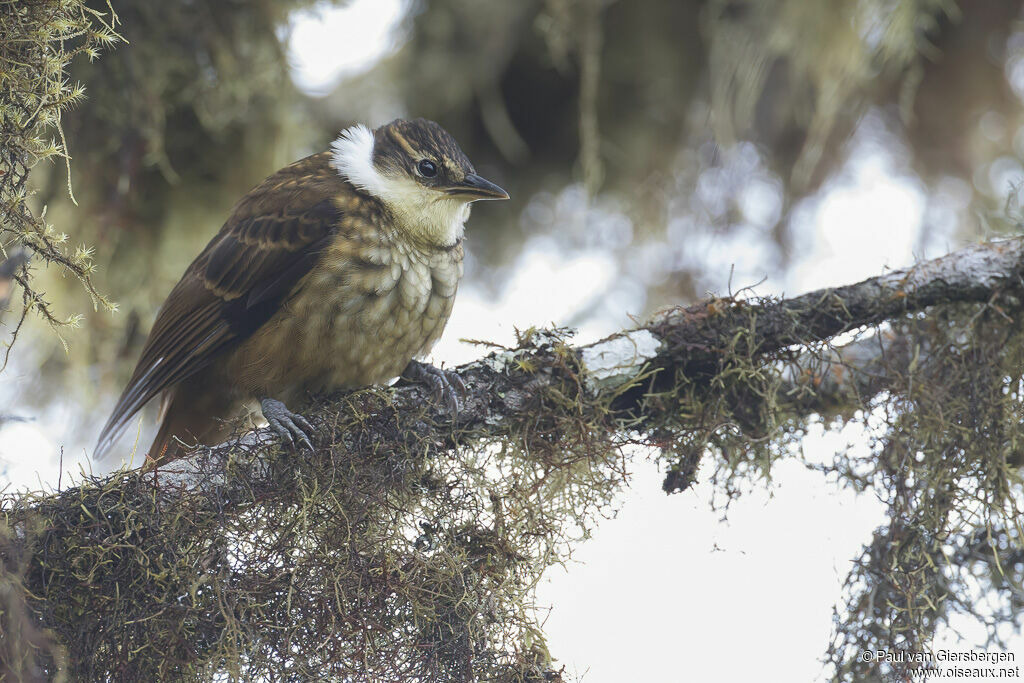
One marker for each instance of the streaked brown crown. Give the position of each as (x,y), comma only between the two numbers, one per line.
(401,145)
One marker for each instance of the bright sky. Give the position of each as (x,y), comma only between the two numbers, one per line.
(329,43)
(666,591)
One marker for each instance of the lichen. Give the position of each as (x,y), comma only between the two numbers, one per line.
(38,41)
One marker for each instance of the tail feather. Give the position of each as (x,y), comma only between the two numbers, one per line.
(186,421)
(190,413)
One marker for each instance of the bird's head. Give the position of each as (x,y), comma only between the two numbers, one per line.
(416,169)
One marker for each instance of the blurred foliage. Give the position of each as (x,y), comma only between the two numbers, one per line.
(647,128)
(691,123)
(679,84)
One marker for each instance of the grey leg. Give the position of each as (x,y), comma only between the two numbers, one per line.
(290,427)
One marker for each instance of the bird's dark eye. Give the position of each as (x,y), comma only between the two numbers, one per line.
(427,168)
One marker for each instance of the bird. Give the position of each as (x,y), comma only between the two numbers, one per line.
(338,271)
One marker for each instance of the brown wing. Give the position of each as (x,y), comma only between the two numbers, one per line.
(272,239)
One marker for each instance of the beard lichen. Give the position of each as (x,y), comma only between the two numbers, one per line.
(38,41)
(408,547)
(402,549)
(946,462)
(942,406)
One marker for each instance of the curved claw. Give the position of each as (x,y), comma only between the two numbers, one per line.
(457,382)
(290,427)
(446,385)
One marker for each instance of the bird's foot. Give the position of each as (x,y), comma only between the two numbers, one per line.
(290,427)
(446,385)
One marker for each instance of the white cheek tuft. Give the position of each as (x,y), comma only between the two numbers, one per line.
(353,159)
(431,214)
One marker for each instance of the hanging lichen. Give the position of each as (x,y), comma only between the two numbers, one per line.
(38,41)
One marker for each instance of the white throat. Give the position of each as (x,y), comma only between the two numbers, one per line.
(424,212)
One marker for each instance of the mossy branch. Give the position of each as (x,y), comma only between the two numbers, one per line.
(697,341)
(409,545)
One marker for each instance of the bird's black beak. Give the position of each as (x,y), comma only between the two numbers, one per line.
(476,188)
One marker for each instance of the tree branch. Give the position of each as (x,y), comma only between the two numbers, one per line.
(692,341)
(536,448)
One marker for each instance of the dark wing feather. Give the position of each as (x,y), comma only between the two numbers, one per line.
(274,237)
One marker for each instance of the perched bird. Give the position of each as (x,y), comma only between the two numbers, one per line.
(338,271)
